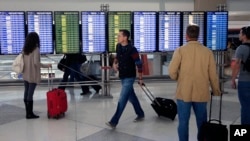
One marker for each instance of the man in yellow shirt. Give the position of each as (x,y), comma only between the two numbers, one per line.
(193,66)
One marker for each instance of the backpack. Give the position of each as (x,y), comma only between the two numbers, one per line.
(62,63)
(18,64)
(246,64)
(82,58)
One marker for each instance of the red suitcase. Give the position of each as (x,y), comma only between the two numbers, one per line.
(56,102)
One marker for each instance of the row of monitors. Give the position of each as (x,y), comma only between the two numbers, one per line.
(96,31)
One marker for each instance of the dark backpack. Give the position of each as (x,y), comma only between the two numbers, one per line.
(246,64)
(82,58)
(62,63)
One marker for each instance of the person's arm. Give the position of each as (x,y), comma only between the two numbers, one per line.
(46,65)
(138,62)
(115,64)
(236,67)
(213,77)
(174,65)
(37,59)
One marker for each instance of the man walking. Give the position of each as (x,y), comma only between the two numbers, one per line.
(128,58)
(193,66)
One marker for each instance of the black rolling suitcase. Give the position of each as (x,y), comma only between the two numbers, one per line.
(214,130)
(162,106)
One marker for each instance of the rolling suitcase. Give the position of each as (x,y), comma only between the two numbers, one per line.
(213,129)
(56,101)
(162,106)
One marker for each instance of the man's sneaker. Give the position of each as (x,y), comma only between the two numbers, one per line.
(86,93)
(98,90)
(110,125)
(138,119)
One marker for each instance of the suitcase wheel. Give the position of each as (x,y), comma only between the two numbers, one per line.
(48,115)
(57,117)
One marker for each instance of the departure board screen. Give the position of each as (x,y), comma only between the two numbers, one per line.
(169,30)
(145,31)
(116,21)
(93,32)
(12,31)
(217,26)
(67,32)
(194,18)
(41,23)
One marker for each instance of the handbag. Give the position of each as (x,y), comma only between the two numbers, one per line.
(62,63)
(88,68)
(18,64)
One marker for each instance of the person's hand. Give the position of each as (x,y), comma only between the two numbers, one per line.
(115,66)
(216,92)
(233,83)
(140,82)
(49,65)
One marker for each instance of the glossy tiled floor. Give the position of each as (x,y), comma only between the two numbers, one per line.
(86,116)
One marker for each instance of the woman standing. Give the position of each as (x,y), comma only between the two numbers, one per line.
(31,71)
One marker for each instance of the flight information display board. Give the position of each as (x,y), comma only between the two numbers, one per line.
(217,26)
(41,23)
(169,30)
(145,31)
(67,32)
(93,32)
(194,18)
(116,21)
(12,31)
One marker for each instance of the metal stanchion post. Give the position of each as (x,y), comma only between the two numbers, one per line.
(222,72)
(107,75)
(103,74)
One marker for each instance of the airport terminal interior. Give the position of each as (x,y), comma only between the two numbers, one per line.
(87,114)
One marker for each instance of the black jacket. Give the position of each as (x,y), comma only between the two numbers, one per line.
(126,67)
(75,58)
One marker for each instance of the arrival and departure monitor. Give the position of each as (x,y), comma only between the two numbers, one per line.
(194,18)
(217,26)
(12,32)
(169,30)
(93,32)
(116,21)
(145,31)
(67,32)
(41,23)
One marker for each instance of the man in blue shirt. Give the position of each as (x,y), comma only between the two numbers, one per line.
(241,55)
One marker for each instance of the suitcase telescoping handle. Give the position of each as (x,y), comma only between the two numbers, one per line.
(149,94)
(210,110)
(50,79)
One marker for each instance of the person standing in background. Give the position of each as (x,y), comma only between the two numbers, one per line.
(193,66)
(72,68)
(128,58)
(31,71)
(241,55)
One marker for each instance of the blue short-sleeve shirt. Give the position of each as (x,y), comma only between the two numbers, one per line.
(242,53)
